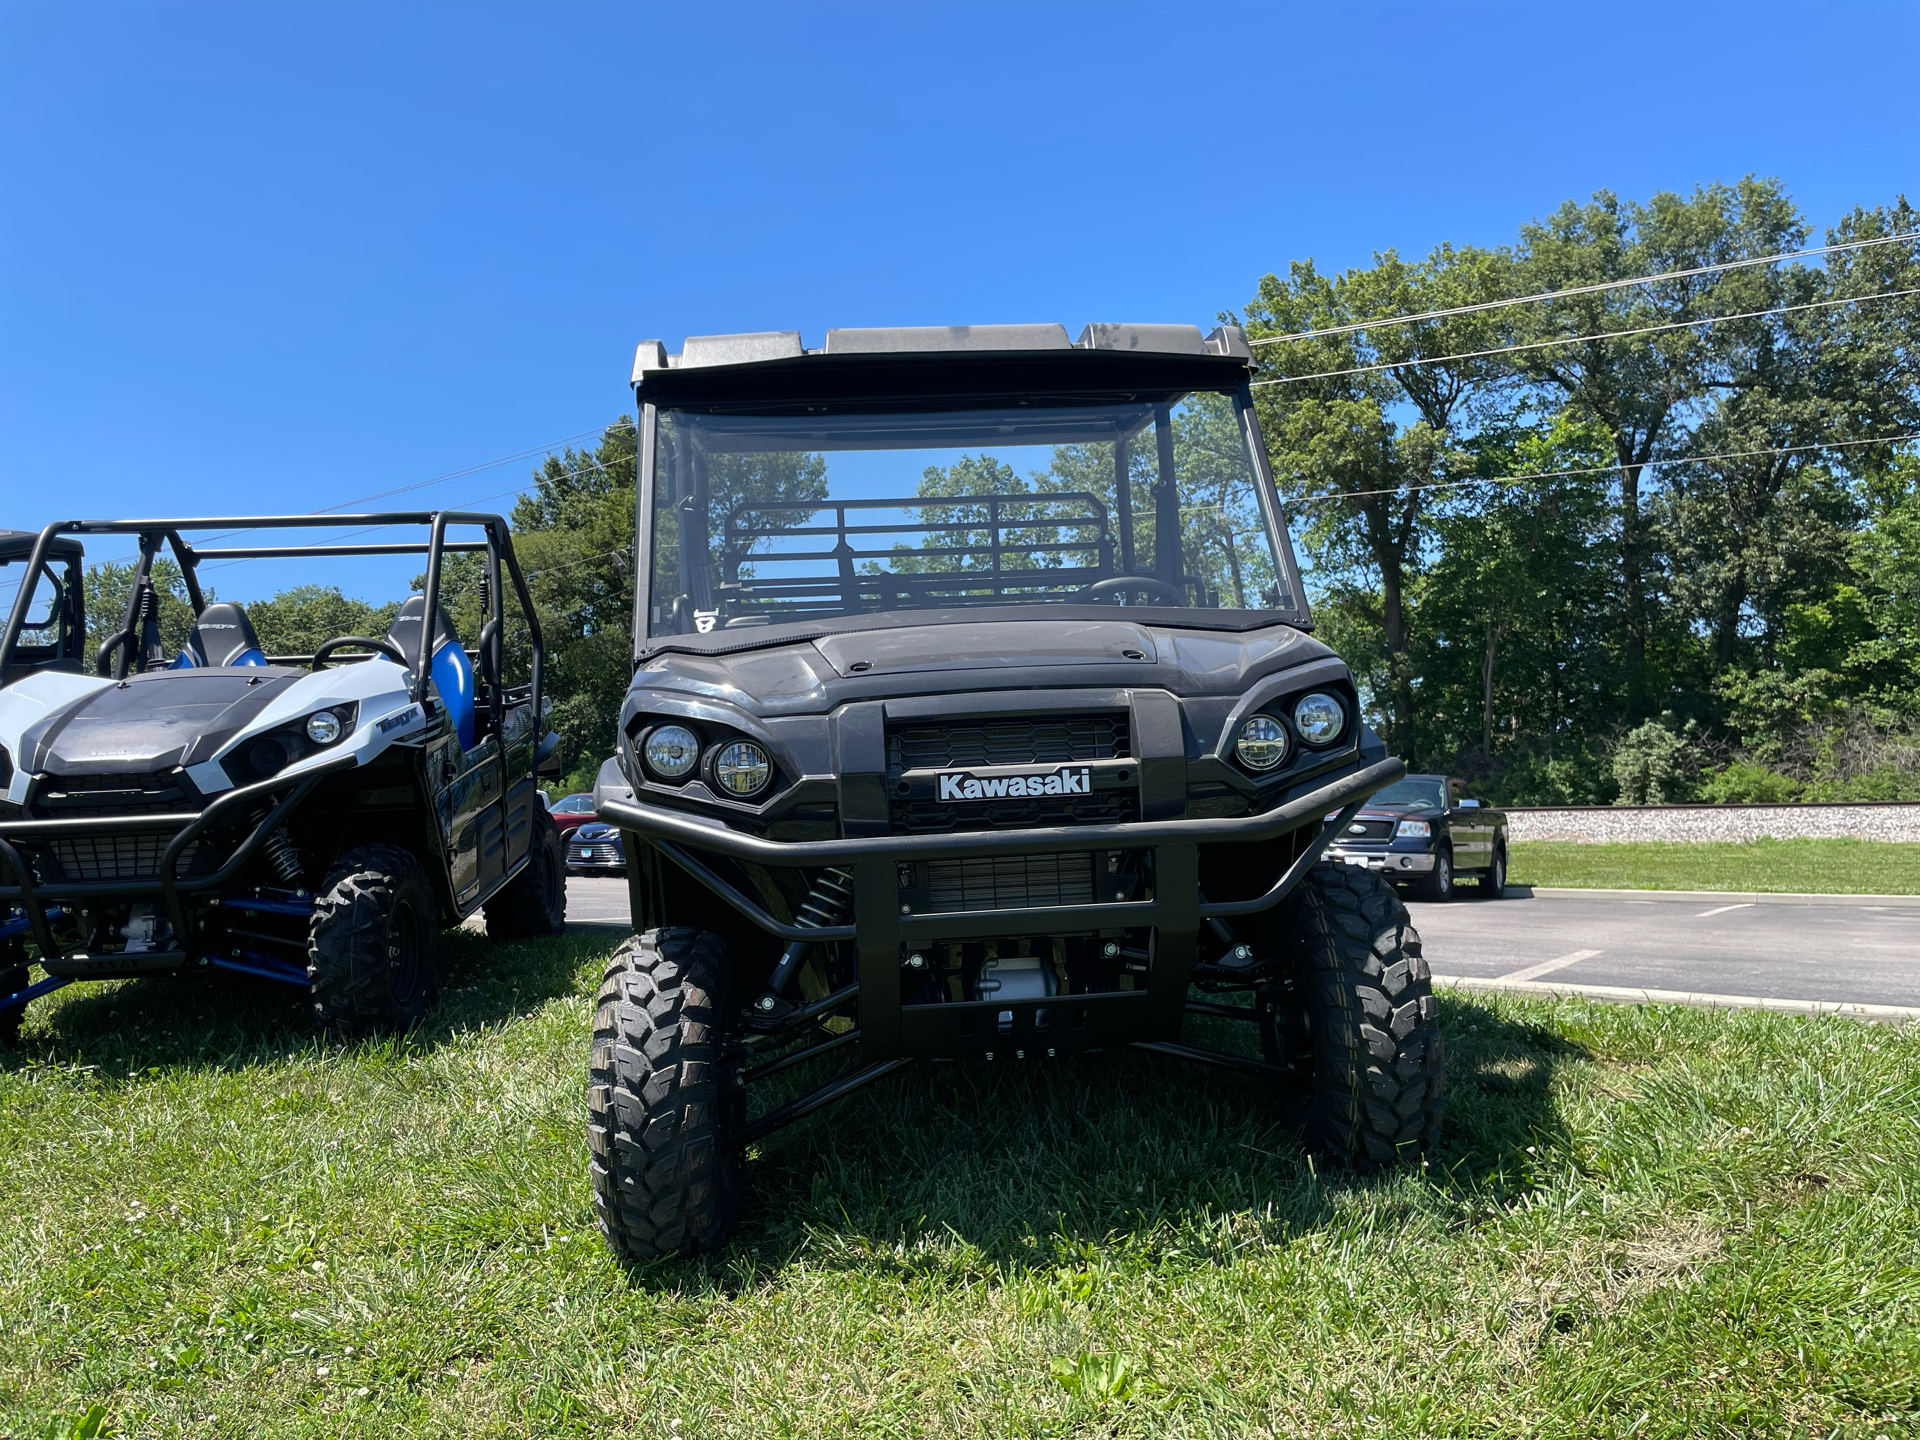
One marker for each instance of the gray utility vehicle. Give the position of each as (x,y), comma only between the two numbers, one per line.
(313,819)
(975,715)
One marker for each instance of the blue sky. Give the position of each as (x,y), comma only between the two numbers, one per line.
(274,257)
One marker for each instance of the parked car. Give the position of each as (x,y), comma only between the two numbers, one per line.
(1423,832)
(572,812)
(595,849)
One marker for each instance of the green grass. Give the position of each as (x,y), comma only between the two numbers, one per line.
(1829,867)
(1645,1222)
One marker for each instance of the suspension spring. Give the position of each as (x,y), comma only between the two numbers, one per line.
(278,848)
(828,903)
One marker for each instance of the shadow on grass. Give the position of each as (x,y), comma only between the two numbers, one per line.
(220,1018)
(1035,1165)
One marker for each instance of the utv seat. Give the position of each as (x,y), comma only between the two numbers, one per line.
(222,635)
(450,669)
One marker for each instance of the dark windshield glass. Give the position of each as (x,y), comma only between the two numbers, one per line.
(1411,795)
(762,519)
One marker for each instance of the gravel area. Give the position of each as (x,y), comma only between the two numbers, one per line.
(1718,822)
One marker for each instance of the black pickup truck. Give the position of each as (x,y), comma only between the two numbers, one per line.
(1423,831)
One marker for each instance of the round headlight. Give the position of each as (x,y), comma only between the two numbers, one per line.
(1262,743)
(323,727)
(672,751)
(1319,718)
(742,769)
(268,755)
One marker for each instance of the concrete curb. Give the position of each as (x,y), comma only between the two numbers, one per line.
(1709,897)
(1623,994)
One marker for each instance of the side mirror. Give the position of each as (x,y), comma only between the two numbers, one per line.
(1468,804)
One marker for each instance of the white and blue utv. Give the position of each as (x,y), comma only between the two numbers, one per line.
(314,819)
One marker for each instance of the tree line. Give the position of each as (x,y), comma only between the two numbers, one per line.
(1652,542)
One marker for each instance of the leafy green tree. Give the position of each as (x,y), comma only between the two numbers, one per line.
(300,620)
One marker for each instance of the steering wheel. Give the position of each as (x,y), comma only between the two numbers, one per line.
(384,647)
(1125,584)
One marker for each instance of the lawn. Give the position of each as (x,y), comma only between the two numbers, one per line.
(1645,1222)
(1833,867)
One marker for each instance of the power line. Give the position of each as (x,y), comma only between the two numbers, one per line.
(1384,321)
(1583,339)
(1596,469)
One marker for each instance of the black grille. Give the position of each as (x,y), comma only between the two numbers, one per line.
(1359,830)
(115,857)
(936,817)
(1013,740)
(119,794)
(1010,882)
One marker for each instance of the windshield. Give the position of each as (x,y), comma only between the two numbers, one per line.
(763,519)
(1411,795)
(574,805)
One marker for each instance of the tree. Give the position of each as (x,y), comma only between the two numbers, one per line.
(300,620)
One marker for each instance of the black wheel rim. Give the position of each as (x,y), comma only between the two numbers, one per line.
(403,954)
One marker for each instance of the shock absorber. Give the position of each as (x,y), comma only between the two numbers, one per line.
(827,903)
(278,848)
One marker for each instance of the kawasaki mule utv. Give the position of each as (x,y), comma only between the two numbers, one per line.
(314,819)
(975,714)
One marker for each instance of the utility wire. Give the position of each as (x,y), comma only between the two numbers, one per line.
(1596,469)
(1584,339)
(1384,321)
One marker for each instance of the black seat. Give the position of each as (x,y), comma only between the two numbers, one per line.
(224,636)
(450,668)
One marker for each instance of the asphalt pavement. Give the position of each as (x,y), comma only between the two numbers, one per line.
(1715,950)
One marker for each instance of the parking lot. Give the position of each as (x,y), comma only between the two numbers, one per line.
(1845,954)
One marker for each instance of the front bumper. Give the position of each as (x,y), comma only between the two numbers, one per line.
(1383,862)
(596,857)
(18,887)
(882,926)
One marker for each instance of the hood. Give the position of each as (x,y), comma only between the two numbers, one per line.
(812,675)
(152,722)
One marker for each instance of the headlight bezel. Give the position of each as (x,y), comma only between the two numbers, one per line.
(1329,739)
(721,764)
(1282,739)
(659,768)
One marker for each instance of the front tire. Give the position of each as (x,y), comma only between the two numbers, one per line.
(370,953)
(1493,880)
(533,905)
(1438,884)
(665,1176)
(1378,1093)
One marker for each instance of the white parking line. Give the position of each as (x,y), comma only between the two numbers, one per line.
(1743,905)
(1547,967)
(1628,995)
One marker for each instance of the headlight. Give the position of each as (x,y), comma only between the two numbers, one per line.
(1319,718)
(323,727)
(742,769)
(1262,743)
(672,751)
(1414,829)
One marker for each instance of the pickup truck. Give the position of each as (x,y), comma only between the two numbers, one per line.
(1424,831)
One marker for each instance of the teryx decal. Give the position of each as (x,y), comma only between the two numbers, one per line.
(394,722)
(959,785)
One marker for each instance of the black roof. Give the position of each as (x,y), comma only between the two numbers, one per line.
(962,364)
(18,545)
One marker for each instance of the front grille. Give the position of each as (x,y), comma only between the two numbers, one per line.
(939,817)
(1012,740)
(1010,882)
(115,857)
(149,794)
(1361,830)
(101,855)
(1009,740)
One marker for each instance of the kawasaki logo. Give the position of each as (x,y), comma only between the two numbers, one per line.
(959,785)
